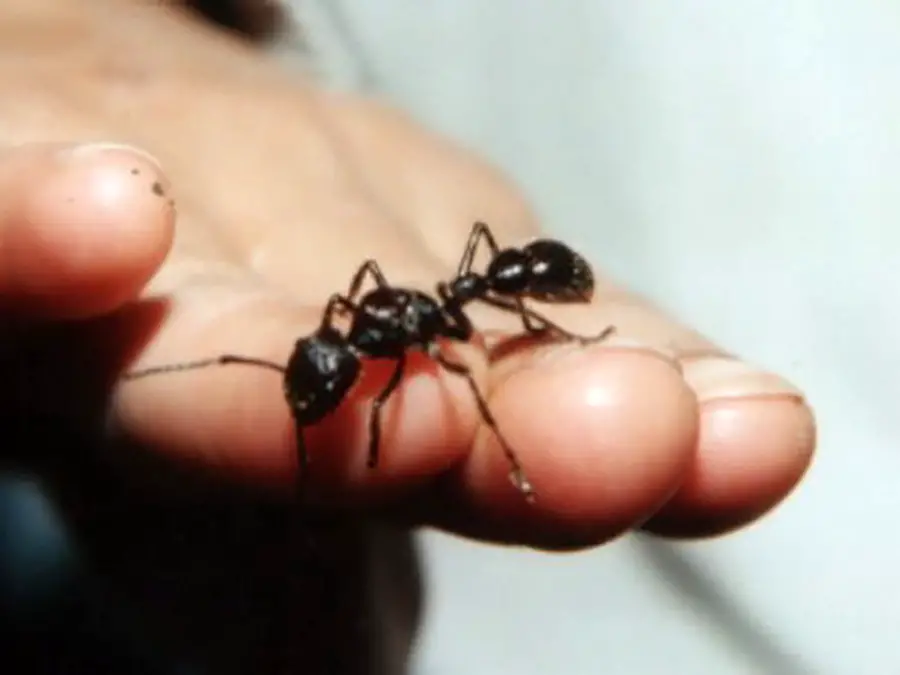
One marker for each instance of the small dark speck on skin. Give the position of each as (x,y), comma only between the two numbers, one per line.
(158,189)
(135,172)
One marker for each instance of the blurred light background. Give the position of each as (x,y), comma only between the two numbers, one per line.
(736,162)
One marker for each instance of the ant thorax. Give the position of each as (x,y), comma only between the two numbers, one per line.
(391,320)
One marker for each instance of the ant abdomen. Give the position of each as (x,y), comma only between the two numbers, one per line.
(556,273)
(509,272)
(545,269)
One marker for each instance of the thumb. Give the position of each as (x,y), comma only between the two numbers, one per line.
(82,229)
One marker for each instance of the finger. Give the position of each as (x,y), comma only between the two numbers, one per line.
(81,228)
(605,435)
(234,422)
(621,441)
(756,430)
(757,438)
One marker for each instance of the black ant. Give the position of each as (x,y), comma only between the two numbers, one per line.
(387,322)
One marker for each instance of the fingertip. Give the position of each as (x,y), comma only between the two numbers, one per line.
(605,436)
(82,228)
(752,453)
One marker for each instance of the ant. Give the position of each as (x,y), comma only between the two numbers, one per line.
(387,322)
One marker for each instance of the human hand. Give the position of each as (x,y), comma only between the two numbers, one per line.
(281,191)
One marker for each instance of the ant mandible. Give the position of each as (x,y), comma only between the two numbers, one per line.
(388,321)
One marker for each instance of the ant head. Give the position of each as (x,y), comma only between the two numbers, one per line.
(320,372)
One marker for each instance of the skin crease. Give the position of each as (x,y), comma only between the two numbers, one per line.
(279,190)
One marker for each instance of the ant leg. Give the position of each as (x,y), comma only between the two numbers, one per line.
(372,268)
(302,456)
(545,324)
(479,231)
(459,325)
(344,304)
(517,473)
(336,303)
(223,360)
(227,359)
(525,314)
(377,405)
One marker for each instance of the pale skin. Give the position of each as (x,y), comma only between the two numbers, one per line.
(258,196)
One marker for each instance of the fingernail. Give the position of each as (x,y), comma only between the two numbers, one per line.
(88,150)
(722,377)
